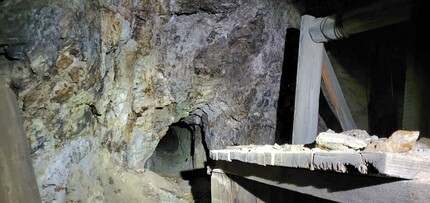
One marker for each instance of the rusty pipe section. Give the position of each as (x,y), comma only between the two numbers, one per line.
(372,16)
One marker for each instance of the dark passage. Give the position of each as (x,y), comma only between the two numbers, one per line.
(181,155)
(174,152)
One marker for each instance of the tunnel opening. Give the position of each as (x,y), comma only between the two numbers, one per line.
(182,156)
(170,142)
(175,151)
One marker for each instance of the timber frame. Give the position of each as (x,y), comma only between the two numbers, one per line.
(313,61)
(246,173)
(227,185)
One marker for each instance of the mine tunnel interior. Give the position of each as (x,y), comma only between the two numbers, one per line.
(67,87)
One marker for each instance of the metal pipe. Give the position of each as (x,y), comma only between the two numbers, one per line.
(372,16)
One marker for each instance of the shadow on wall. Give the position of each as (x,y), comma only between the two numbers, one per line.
(200,183)
(285,111)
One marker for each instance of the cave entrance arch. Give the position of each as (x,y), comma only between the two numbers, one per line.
(180,149)
(182,155)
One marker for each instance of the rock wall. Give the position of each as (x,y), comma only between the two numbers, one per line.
(101,81)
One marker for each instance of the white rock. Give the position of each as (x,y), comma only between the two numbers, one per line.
(339,141)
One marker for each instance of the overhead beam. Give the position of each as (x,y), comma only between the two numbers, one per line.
(372,16)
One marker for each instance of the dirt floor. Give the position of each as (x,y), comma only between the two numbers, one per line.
(126,185)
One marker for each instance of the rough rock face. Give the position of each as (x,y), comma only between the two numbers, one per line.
(105,79)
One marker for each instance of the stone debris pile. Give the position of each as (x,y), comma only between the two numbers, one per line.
(354,140)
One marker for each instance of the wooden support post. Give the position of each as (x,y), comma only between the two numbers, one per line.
(375,15)
(308,86)
(226,189)
(333,94)
(18,181)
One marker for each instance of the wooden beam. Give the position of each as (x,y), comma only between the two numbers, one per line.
(308,86)
(232,188)
(225,189)
(372,16)
(18,181)
(413,165)
(331,186)
(333,93)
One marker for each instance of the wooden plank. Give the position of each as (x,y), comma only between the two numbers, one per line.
(412,165)
(332,186)
(224,189)
(295,159)
(401,165)
(256,158)
(372,16)
(333,94)
(308,86)
(213,154)
(221,188)
(338,161)
(265,155)
(269,158)
(18,181)
(223,155)
(239,156)
(230,188)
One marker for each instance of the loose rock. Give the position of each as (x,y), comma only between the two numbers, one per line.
(399,141)
(339,141)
